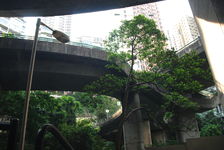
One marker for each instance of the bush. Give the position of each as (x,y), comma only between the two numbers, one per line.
(82,136)
(211,130)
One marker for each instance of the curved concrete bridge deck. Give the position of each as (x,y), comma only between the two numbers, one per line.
(57,67)
(59,7)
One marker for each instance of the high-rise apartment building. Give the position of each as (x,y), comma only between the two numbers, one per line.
(14,25)
(149,10)
(125,13)
(184,32)
(61,23)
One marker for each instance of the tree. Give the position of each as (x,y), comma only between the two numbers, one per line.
(210,123)
(41,105)
(82,136)
(43,109)
(176,78)
(96,105)
(138,38)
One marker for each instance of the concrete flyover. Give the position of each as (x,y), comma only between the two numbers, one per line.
(15,8)
(9,8)
(58,66)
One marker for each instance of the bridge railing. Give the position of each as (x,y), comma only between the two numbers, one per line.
(193,45)
(11,126)
(45,39)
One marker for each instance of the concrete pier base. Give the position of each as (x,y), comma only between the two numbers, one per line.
(187,127)
(132,128)
(147,134)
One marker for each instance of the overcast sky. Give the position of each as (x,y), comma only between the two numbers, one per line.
(99,24)
(172,10)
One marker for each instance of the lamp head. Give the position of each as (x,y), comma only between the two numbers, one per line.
(60,36)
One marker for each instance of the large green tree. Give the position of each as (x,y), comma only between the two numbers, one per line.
(176,78)
(136,39)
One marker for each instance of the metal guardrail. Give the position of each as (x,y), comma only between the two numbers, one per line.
(45,39)
(192,42)
(11,126)
(53,130)
(193,45)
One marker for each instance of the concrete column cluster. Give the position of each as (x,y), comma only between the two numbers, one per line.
(138,134)
(209,18)
(187,127)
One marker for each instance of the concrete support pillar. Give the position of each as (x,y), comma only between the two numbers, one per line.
(147,134)
(159,137)
(187,127)
(132,128)
(209,15)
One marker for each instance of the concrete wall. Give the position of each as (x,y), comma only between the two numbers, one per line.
(172,147)
(203,143)
(206,143)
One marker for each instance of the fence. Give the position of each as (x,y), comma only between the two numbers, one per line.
(45,39)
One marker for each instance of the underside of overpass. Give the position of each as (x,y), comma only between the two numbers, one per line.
(58,66)
(10,8)
(16,8)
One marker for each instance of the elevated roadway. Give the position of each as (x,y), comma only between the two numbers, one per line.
(9,8)
(58,66)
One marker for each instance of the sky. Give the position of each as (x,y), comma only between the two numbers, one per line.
(99,24)
(172,10)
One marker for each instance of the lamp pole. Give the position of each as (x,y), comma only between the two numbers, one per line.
(62,38)
(28,87)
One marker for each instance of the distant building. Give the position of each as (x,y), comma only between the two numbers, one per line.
(149,10)
(125,13)
(61,23)
(96,41)
(184,32)
(14,25)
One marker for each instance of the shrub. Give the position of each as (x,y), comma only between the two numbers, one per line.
(211,130)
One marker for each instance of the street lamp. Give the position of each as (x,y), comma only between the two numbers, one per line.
(107,111)
(60,37)
(118,103)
